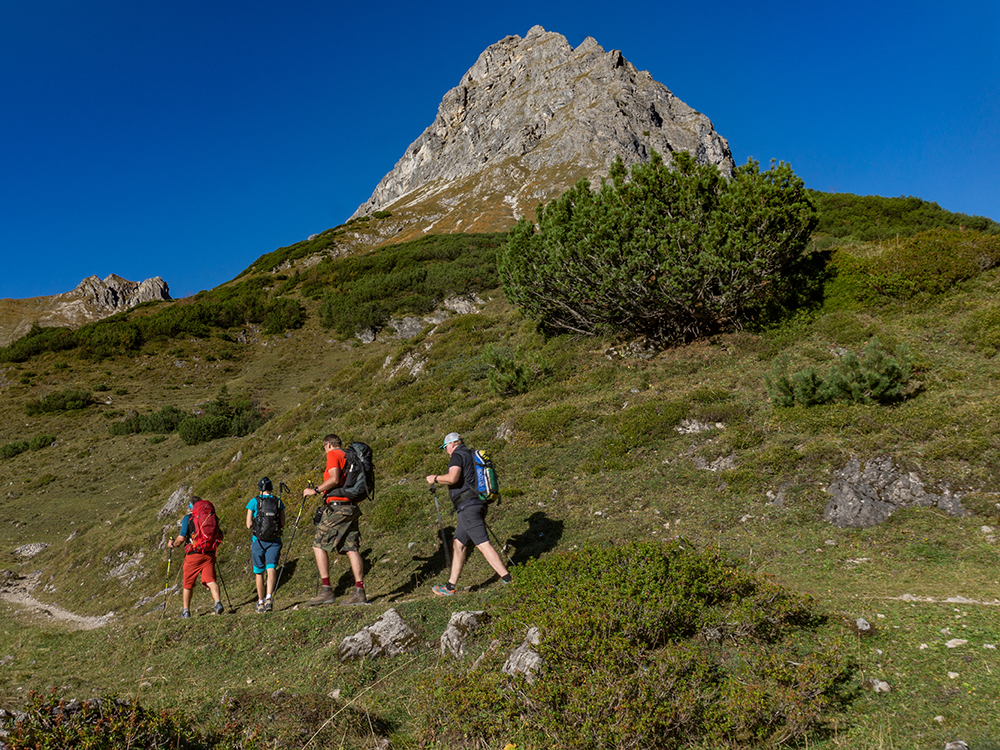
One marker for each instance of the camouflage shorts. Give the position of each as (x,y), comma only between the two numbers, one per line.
(337,530)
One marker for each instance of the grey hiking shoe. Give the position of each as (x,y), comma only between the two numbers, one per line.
(268,605)
(218,608)
(357,597)
(260,607)
(325,596)
(186,613)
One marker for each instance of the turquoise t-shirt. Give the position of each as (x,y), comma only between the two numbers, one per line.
(252,506)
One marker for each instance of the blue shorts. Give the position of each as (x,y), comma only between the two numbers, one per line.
(264,555)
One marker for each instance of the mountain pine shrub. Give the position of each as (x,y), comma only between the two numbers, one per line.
(59,401)
(162,422)
(670,254)
(878,376)
(645,645)
(512,371)
(110,722)
(982,329)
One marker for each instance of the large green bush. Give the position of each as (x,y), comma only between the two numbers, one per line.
(670,254)
(645,646)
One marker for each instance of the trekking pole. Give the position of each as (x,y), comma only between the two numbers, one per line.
(441,531)
(218,569)
(500,548)
(283,487)
(170,552)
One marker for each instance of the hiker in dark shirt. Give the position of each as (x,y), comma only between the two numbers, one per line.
(471,527)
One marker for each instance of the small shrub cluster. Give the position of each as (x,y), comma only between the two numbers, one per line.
(9,450)
(162,422)
(647,422)
(646,645)
(224,417)
(363,292)
(878,376)
(110,722)
(982,330)
(928,263)
(59,401)
(394,508)
(512,371)
(870,218)
(549,423)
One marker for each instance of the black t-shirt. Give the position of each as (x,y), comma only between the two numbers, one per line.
(466,488)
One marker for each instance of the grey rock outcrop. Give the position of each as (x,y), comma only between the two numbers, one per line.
(525,659)
(115,293)
(460,627)
(389,635)
(526,122)
(865,494)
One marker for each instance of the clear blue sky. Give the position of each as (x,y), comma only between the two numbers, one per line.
(185,139)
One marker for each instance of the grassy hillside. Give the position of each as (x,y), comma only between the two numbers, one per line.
(586,439)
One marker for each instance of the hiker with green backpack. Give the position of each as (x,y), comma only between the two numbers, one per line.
(345,484)
(266,519)
(470,504)
(200,535)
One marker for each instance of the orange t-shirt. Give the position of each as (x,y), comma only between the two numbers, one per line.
(336,459)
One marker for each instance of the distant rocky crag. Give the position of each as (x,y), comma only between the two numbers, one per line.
(92,299)
(531,118)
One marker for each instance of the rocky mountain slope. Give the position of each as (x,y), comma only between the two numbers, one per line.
(92,299)
(531,118)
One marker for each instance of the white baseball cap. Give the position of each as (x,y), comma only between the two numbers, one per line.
(451,437)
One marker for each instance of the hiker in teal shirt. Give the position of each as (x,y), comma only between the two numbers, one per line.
(266,519)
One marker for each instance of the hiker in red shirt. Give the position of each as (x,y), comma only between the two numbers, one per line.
(337,528)
(199,542)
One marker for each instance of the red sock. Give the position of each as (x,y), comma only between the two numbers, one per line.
(359,584)
(326,582)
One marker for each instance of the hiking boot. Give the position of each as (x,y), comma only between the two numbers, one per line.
(442,589)
(325,596)
(186,613)
(260,607)
(218,608)
(268,605)
(357,597)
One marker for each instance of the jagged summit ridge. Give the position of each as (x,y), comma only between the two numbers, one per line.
(115,293)
(527,121)
(92,299)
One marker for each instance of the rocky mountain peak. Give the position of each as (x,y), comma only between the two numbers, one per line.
(115,293)
(529,119)
(92,299)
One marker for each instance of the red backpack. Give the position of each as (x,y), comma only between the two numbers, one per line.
(207,534)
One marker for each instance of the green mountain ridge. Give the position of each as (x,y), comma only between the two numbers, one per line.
(589,451)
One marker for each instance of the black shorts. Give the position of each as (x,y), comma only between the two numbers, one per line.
(471,525)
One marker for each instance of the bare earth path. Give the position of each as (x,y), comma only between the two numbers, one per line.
(17,590)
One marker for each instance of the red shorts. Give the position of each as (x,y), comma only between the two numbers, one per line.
(195,563)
